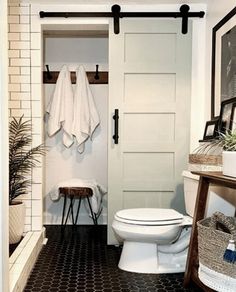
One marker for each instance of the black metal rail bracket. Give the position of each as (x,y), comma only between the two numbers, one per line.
(184,10)
(116,13)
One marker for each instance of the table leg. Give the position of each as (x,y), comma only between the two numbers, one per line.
(199,213)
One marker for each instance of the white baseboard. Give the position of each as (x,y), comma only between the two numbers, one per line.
(83,219)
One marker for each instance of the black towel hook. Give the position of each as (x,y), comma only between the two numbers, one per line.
(49,75)
(96,76)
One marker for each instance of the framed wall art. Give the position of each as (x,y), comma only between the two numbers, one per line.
(233,118)
(211,130)
(223,79)
(225,119)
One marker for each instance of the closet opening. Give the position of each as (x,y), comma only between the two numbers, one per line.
(76,47)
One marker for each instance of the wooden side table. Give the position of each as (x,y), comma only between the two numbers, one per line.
(72,193)
(206,178)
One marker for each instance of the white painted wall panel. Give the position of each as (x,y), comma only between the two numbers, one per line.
(74,51)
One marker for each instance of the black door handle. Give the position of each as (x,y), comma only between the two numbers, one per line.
(116,126)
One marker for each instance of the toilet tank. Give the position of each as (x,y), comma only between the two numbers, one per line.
(215,202)
(190,191)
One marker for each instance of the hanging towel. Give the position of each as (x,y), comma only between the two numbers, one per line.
(86,117)
(60,107)
(98,191)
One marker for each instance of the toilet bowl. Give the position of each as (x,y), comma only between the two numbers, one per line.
(149,244)
(155,240)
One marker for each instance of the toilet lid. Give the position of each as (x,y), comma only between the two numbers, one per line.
(149,216)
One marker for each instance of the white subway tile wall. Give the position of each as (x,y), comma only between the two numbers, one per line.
(24,93)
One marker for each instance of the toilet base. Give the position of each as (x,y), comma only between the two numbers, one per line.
(143,257)
(139,257)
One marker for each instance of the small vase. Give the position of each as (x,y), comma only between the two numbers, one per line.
(229,163)
(16,222)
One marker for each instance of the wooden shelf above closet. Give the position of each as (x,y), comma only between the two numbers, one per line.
(103,77)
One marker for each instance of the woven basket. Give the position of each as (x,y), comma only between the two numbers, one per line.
(214,234)
(217,281)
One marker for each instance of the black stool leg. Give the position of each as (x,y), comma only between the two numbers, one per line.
(94,220)
(72,212)
(77,214)
(68,213)
(63,211)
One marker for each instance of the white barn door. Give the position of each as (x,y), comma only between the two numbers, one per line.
(149,84)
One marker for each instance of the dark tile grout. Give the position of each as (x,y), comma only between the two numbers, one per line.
(81,261)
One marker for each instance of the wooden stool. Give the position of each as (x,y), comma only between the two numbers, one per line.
(73,193)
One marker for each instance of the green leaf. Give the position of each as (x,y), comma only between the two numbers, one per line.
(22,158)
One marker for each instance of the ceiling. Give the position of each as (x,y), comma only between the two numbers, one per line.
(121,2)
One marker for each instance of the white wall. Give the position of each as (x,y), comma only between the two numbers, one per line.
(197,117)
(216,10)
(62,163)
(4,254)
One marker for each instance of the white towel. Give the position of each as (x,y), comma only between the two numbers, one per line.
(86,117)
(60,107)
(95,200)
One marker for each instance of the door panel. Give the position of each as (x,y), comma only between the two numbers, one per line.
(149,88)
(148,166)
(149,82)
(150,127)
(137,47)
(140,199)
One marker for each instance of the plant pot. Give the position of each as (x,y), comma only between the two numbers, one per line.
(229,163)
(16,221)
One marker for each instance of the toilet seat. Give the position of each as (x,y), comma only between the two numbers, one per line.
(149,216)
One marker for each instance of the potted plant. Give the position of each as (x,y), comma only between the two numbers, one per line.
(228,142)
(21,160)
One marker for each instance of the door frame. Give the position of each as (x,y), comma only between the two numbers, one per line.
(4,202)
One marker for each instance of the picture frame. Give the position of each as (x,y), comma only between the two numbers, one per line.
(225,119)
(223,69)
(211,129)
(233,118)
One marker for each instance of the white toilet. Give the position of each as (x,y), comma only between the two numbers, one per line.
(156,240)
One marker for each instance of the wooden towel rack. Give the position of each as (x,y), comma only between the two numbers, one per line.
(103,77)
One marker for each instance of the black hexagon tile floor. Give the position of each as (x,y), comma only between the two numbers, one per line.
(80,261)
